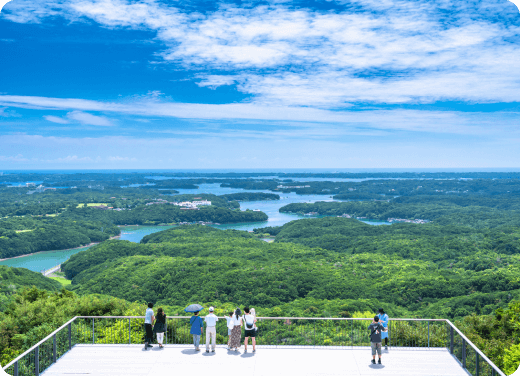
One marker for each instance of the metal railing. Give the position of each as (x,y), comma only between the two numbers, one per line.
(273,331)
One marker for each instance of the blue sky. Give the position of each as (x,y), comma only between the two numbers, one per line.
(110,84)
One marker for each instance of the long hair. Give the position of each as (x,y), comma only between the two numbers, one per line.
(160,312)
(238,312)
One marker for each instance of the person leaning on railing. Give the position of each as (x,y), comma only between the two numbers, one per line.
(383,319)
(160,326)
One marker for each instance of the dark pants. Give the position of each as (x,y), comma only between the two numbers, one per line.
(148,338)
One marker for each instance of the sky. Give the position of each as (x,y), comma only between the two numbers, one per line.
(116,84)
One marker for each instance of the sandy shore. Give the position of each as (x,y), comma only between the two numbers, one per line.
(58,250)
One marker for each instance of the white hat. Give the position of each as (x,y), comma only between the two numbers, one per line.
(211,309)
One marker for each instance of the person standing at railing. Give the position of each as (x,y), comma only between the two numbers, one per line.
(253,313)
(383,319)
(249,322)
(375,330)
(236,330)
(148,322)
(211,330)
(196,329)
(160,326)
(228,320)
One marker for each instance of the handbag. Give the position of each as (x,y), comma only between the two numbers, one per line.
(249,326)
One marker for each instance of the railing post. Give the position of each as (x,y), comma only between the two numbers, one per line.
(70,336)
(390,332)
(451,339)
(314,332)
(129,331)
(37,361)
(352,332)
(93,330)
(463,353)
(54,348)
(477,357)
(428,334)
(15,370)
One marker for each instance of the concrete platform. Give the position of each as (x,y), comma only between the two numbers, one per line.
(129,360)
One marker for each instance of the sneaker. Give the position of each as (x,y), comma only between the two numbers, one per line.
(245,351)
(207,351)
(149,345)
(254,350)
(213,350)
(197,349)
(379,361)
(386,347)
(373,361)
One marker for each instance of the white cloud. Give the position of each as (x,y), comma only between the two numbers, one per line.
(449,122)
(121,159)
(377,51)
(56,119)
(14,158)
(89,119)
(214,81)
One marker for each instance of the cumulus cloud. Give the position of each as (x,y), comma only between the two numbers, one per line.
(375,51)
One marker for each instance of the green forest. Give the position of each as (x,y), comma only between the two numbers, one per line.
(462,264)
(56,220)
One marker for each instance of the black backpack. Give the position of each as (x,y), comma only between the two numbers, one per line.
(248,326)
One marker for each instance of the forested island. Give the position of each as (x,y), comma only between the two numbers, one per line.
(69,218)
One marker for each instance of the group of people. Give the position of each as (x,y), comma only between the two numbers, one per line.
(235,321)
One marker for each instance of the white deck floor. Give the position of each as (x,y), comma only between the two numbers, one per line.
(129,360)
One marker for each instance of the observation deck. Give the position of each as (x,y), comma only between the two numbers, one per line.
(129,360)
(113,345)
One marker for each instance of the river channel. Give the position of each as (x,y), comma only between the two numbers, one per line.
(46,260)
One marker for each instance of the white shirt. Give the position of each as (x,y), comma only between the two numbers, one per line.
(234,321)
(148,317)
(249,319)
(211,320)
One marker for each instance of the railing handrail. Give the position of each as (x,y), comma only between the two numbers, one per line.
(263,318)
(39,343)
(480,353)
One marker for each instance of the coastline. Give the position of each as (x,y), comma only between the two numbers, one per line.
(59,250)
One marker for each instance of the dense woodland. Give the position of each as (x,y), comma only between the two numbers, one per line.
(55,220)
(462,265)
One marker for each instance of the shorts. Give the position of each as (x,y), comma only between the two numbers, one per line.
(376,346)
(250,333)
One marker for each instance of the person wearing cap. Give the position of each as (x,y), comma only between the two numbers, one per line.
(383,319)
(211,329)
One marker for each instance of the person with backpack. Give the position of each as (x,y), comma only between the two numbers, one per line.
(375,330)
(249,322)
